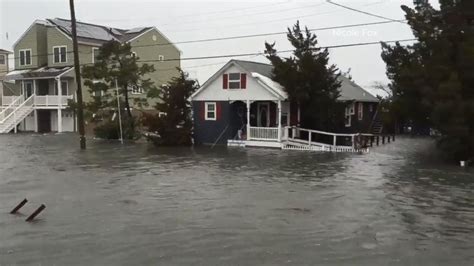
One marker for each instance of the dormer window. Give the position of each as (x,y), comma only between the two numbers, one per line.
(60,54)
(25,57)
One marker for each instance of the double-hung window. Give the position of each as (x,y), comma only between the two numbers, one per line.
(60,54)
(95,54)
(137,90)
(64,88)
(234,80)
(2,59)
(25,57)
(210,111)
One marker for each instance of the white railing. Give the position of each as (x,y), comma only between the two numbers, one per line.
(263,133)
(8,100)
(52,100)
(330,140)
(14,103)
(13,119)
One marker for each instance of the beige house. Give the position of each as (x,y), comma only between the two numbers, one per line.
(43,81)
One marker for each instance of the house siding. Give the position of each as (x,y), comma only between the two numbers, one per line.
(148,49)
(33,39)
(362,126)
(57,38)
(207,132)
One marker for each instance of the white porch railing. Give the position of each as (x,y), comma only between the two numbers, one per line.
(52,100)
(263,133)
(7,100)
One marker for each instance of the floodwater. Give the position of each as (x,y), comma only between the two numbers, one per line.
(138,205)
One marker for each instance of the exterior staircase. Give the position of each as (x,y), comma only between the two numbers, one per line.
(376,126)
(16,112)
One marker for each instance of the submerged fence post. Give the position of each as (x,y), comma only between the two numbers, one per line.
(34,214)
(383,139)
(393,137)
(19,206)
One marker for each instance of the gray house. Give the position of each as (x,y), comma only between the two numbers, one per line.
(36,93)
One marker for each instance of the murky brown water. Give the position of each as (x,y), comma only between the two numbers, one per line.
(138,205)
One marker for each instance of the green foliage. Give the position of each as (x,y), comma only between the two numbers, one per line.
(433,79)
(309,79)
(115,67)
(174,125)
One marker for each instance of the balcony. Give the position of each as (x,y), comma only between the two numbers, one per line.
(42,101)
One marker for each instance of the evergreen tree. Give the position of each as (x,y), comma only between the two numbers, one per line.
(173,122)
(309,79)
(435,76)
(115,66)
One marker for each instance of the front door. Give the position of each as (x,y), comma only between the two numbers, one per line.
(263,114)
(28,89)
(44,121)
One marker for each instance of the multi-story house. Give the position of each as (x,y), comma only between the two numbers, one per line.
(44,81)
(4,67)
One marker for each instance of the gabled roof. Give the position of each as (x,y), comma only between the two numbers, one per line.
(350,91)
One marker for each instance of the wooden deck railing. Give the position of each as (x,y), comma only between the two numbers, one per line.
(263,133)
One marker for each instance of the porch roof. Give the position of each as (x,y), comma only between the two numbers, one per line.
(39,73)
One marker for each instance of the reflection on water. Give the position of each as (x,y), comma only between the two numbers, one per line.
(138,205)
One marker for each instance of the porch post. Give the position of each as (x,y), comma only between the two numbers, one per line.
(22,88)
(248,119)
(60,119)
(34,87)
(279,120)
(36,120)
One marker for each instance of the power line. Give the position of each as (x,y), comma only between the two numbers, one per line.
(239,37)
(365,12)
(262,53)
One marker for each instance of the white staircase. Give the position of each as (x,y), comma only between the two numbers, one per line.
(16,112)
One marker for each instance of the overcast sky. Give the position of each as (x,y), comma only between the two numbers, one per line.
(192,20)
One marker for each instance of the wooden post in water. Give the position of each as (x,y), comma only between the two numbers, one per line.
(388,138)
(371,141)
(393,137)
(378,140)
(19,206)
(34,214)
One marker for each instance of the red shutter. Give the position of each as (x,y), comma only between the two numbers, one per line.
(203,111)
(225,81)
(243,81)
(218,111)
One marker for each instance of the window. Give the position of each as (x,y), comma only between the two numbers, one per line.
(64,87)
(25,57)
(134,54)
(360,111)
(234,81)
(161,114)
(60,54)
(351,109)
(98,93)
(2,59)
(371,107)
(161,57)
(137,90)
(95,54)
(348,121)
(210,111)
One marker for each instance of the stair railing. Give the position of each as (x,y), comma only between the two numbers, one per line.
(30,99)
(10,107)
(374,118)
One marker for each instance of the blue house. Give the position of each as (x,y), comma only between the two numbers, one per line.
(242,105)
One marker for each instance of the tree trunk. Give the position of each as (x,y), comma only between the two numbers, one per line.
(127,107)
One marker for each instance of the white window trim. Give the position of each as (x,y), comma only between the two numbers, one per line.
(234,80)
(360,111)
(352,108)
(140,91)
(348,123)
(60,46)
(93,57)
(161,57)
(19,57)
(206,111)
(56,89)
(4,59)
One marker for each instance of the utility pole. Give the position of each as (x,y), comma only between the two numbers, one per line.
(80,106)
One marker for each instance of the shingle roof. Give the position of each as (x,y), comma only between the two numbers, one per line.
(350,91)
(43,72)
(93,33)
